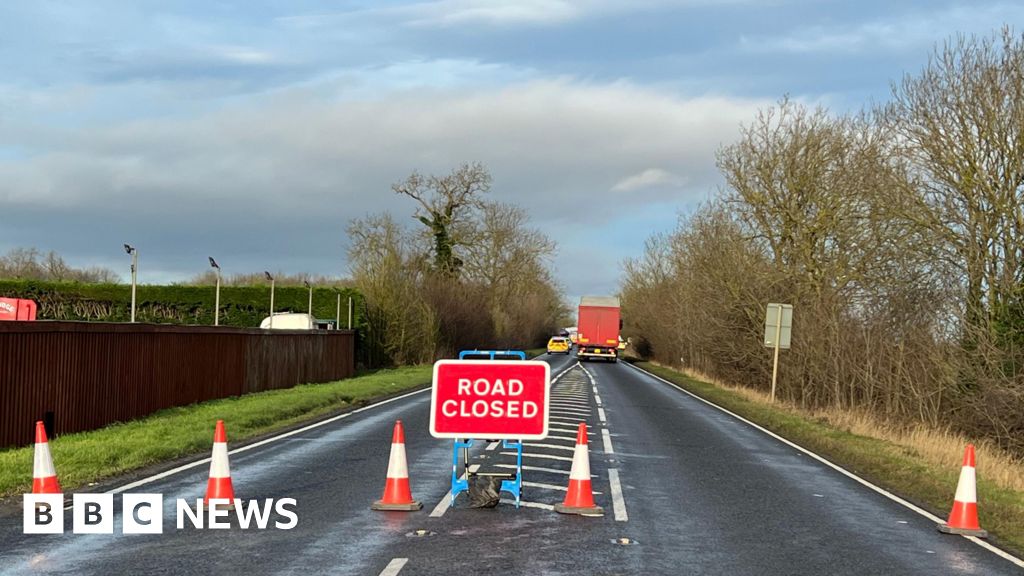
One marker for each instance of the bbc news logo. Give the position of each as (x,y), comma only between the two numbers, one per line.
(144,514)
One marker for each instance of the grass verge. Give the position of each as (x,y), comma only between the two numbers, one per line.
(906,462)
(183,431)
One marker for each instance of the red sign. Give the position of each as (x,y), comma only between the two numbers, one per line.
(490,399)
(16,309)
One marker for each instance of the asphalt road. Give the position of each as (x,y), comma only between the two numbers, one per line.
(695,490)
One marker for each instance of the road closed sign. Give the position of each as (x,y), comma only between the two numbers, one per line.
(490,399)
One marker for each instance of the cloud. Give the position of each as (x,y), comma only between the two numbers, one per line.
(895,32)
(649,178)
(272,183)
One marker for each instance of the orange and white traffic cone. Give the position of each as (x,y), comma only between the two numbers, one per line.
(580,497)
(397,493)
(44,475)
(219,486)
(963,519)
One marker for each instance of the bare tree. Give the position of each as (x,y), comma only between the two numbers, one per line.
(444,206)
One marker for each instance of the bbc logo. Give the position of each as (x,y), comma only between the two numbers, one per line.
(93,514)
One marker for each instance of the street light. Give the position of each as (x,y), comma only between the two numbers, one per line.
(310,308)
(271,278)
(131,251)
(216,300)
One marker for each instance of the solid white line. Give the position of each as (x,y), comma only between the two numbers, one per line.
(576,403)
(999,552)
(558,437)
(600,414)
(394,567)
(618,503)
(607,437)
(263,442)
(566,420)
(544,486)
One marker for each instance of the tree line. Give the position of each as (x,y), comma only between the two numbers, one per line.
(470,273)
(896,232)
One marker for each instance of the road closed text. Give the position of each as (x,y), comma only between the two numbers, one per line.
(506,400)
(493,399)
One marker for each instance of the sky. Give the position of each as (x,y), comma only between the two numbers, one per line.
(255,131)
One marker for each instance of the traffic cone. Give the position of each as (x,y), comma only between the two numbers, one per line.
(44,475)
(219,486)
(580,497)
(397,494)
(963,519)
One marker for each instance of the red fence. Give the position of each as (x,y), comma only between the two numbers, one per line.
(79,376)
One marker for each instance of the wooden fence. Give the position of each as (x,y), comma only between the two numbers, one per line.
(80,376)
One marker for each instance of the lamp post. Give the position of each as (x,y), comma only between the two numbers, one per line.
(216,299)
(310,307)
(131,251)
(271,278)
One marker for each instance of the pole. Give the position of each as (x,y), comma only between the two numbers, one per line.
(216,302)
(337,316)
(349,312)
(775,362)
(135,271)
(271,303)
(310,309)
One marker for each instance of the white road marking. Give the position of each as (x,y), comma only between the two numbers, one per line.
(493,445)
(526,504)
(618,503)
(264,442)
(606,436)
(570,412)
(597,397)
(552,446)
(445,502)
(535,455)
(473,468)
(394,567)
(997,551)
(570,404)
(600,414)
(557,437)
(570,430)
(569,421)
(539,469)
(544,486)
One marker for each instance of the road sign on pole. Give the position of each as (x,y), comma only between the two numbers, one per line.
(778,328)
(492,399)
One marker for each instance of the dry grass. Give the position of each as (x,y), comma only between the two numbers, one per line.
(935,446)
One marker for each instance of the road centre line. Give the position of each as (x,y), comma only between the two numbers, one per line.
(606,436)
(997,551)
(445,502)
(600,414)
(618,503)
(493,445)
(394,567)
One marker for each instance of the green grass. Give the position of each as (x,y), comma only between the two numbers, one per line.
(895,467)
(188,430)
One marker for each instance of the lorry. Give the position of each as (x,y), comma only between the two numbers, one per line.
(598,326)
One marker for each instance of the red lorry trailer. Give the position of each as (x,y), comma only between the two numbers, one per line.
(598,328)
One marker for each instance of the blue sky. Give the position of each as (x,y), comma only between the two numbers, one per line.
(254,131)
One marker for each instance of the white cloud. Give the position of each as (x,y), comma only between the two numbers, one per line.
(278,178)
(649,178)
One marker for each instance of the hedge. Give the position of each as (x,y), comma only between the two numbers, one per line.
(243,306)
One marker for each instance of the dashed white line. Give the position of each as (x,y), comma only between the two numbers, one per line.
(618,503)
(607,438)
(600,414)
(493,445)
(394,567)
